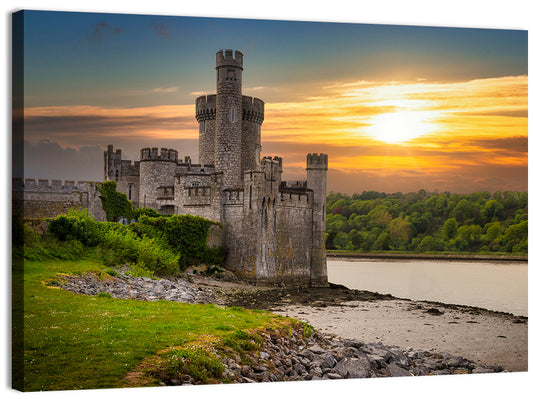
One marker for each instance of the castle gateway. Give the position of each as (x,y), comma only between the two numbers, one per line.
(274,230)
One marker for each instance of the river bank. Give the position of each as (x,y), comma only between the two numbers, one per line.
(482,336)
(434,256)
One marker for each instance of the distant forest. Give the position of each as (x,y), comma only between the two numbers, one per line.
(428,222)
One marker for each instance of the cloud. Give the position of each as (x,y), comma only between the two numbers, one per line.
(479,136)
(172,89)
(102,30)
(161,29)
(47,159)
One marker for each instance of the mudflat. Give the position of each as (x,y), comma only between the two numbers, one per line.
(492,338)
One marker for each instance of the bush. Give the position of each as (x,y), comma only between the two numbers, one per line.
(76,225)
(185,234)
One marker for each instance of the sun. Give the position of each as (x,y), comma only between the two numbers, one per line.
(400,126)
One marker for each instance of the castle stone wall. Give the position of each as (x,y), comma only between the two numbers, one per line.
(47,199)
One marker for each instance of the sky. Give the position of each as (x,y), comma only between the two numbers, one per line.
(396,108)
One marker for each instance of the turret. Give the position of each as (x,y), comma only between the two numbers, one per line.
(253,114)
(206,117)
(112,163)
(317,167)
(228,123)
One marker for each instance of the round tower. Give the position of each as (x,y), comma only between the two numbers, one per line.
(228,122)
(206,115)
(317,169)
(253,114)
(156,170)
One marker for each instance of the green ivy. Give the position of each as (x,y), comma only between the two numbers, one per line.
(115,203)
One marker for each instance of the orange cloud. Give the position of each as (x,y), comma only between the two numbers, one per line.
(446,130)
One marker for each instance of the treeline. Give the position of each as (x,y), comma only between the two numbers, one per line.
(428,222)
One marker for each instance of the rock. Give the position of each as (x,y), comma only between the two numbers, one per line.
(316,371)
(481,370)
(397,371)
(317,349)
(353,368)
(441,372)
(334,376)
(329,361)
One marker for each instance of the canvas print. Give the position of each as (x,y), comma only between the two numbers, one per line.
(226,201)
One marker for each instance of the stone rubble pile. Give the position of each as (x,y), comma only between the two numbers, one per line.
(124,286)
(319,358)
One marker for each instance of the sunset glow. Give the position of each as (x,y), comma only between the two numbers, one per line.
(457,121)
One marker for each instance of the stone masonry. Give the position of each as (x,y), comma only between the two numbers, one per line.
(273,229)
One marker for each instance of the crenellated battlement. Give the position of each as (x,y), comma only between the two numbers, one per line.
(253,109)
(50,185)
(226,58)
(152,154)
(269,160)
(294,184)
(317,161)
(206,107)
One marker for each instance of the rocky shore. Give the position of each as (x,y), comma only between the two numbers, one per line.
(319,357)
(323,355)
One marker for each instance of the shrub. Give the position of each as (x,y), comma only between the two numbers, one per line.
(197,362)
(184,234)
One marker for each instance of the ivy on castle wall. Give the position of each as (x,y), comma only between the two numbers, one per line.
(115,203)
(186,234)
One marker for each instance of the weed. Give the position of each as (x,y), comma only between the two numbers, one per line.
(199,363)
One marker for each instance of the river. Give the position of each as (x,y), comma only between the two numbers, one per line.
(500,286)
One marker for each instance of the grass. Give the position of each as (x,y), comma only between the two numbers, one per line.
(82,342)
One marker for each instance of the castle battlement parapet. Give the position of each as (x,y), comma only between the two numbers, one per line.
(298,184)
(49,186)
(226,58)
(206,107)
(253,109)
(152,154)
(295,197)
(317,161)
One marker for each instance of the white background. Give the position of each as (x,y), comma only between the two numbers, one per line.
(508,14)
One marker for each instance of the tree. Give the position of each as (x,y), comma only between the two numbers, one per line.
(383,241)
(492,210)
(493,231)
(401,229)
(380,216)
(449,230)
(430,243)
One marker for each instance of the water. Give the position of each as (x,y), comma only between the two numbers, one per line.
(495,286)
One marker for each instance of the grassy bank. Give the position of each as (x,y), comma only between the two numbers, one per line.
(77,342)
(429,256)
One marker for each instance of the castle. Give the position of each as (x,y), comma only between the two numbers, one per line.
(274,230)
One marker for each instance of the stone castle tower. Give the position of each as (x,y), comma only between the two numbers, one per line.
(274,230)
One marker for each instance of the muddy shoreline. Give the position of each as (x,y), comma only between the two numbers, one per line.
(486,336)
